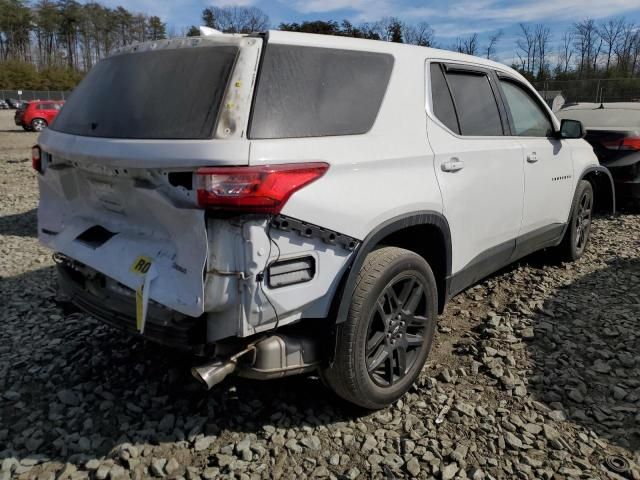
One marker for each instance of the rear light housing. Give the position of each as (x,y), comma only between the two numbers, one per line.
(36,158)
(260,189)
(625,143)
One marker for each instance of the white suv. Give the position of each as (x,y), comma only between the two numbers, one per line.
(286,203)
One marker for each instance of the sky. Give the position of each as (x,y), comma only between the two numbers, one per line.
(448,18)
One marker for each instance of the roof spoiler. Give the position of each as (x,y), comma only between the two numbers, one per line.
(208,31)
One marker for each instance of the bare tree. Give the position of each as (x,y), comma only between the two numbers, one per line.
(526,48)
(624,46)
(542,38)
(468,45)
(610,32)
(235,19)
(588,44)
(389,29)
(493,41)
(635,62)
(421,34)
(566,52)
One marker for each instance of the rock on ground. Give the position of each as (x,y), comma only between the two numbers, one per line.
(535,373)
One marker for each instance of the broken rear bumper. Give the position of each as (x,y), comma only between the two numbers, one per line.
(162,326)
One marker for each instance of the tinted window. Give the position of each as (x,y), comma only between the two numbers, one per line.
(528,117)
(475,103)
(442,101)
(312,92)
(162,94)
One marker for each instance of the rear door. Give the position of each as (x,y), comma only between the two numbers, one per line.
(548,167)
(479,169)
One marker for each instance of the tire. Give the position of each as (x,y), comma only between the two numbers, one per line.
(394,287)
(576,238)
(38,124)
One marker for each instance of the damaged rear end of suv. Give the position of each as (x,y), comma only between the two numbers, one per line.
(286,203)
(163,226)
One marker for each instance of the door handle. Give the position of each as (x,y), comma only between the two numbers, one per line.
(532,157)
(452,165)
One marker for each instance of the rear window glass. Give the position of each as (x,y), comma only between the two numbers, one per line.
(312,92)
(442,102)
(475,103)
(164,94)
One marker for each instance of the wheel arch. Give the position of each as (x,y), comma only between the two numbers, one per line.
(426,233)
(604,193)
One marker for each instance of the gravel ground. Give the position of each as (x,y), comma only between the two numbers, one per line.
(535,374)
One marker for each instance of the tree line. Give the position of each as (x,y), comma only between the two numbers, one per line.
(51,43)
(48,44)
(587,49)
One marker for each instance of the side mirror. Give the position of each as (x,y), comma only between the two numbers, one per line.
(571,129)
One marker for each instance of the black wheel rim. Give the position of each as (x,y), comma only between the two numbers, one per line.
(583,220)
(396,329)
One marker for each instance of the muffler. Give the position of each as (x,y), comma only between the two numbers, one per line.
(275,356)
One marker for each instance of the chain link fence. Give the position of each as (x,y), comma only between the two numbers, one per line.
(559,92)
(29,95)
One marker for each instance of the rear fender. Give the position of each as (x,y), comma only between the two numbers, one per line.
(343,297)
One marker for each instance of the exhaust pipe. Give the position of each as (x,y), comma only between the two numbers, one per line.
(214,373)
(278,355)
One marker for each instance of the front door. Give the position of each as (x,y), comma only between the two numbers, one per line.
(547,166)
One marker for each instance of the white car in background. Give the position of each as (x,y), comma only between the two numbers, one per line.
(291,202)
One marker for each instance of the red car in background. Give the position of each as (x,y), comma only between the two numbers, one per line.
(37,115)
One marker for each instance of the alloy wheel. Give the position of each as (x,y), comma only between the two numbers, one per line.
(396,329)
(583,220)
(38,125)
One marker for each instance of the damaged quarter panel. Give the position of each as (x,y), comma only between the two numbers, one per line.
(242,299)
(363,187)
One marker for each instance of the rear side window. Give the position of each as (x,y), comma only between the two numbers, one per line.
(441,97)
(529,120)
(475,104)
(313,92)
(160,94)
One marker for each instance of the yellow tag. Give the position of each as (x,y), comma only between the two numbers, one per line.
(141,265)
(139,308)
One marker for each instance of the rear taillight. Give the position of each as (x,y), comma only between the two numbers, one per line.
(626,143)
(263,189)
(36,158)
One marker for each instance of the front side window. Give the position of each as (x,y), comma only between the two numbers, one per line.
(313,92)
(475,103)
(529,119)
